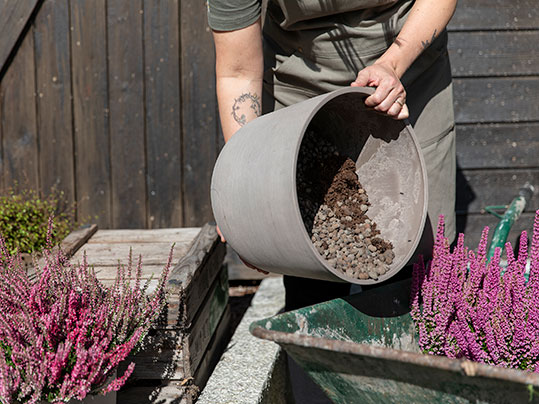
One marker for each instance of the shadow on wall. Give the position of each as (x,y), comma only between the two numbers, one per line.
(465,196)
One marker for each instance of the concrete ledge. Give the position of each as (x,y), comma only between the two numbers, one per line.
(251,370)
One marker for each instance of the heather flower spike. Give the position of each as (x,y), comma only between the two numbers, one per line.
(466,307)
(63,334)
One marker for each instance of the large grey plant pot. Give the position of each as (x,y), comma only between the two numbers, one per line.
(253,189)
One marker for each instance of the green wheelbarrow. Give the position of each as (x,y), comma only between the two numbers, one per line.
(363,349)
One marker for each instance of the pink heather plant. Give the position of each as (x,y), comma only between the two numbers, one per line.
(63,334)
(465,307)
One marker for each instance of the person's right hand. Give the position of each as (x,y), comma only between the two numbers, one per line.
(242,260)
(390,96)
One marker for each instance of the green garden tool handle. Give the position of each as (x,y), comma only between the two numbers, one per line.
(512,213)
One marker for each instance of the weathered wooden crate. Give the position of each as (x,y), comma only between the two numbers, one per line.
(182,350)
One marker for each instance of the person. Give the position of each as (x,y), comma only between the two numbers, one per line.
(309,47)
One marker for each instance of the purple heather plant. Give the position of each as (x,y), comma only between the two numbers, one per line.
(466,307)
(63,334)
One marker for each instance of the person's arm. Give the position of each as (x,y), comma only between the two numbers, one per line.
(239,68)
(427,19)
(239,64)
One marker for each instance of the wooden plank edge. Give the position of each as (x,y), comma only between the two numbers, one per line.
(206,322)
(176,354)
(203,243)
(77,238)
(69,245)
(146,392)
(214,351)
(191,278)
(186,390)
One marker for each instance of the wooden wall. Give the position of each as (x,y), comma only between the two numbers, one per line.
(495,64)
(113,101)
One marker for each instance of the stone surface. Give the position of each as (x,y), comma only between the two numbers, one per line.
(251,370)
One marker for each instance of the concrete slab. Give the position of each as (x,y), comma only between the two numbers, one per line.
(251,370)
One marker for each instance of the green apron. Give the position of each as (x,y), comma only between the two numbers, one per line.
(315,46)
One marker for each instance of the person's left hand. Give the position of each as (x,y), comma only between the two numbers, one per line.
(389,97)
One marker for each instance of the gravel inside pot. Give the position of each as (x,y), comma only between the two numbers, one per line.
(334,207)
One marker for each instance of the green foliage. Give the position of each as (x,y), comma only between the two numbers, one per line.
(24,217)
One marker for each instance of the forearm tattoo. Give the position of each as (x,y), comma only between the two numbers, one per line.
(427,43)
(244,106)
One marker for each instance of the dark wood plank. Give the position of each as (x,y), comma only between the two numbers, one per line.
(498,146)
(77,238)
(90,107)
(177,354)
(54,108)
(203,326)
(479,188)
(139,391)
(193,275)
(199,118)
(473,224)
(168,392)
(496,100)
(126,95)
(14,16)
(215,349)
(69,245)
(18,120)
(162,89)
(497,53)
(495,15)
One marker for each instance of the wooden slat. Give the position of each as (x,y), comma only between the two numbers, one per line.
(166,393)
(139,391)
(177,354)
(203,326)
(199,106)
(53,80)
(183,235)
(151,287)
(162,71)
(14,15)
(69,245)
(90,107)
(18,120)
(472,225)
(495,15)
(125,58)
(494,53)
(214,350)
(106,274)
(498,146)
(479,188)
(77,238)
(110,254)
(193,275)
(510,99)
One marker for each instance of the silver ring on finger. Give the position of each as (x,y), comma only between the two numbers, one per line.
(398,101)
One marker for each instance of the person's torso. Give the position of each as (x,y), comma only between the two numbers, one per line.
(332,28)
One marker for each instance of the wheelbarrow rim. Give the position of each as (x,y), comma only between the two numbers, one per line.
(462,366)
